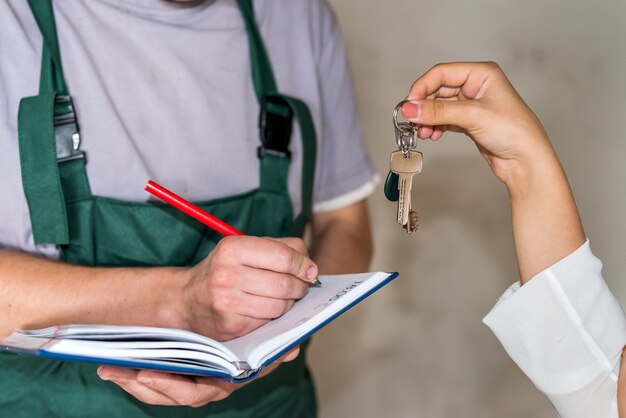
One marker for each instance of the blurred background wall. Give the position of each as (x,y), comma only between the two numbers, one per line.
(418,348)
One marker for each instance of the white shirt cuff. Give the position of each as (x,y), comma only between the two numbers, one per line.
(565,330)
(349,198)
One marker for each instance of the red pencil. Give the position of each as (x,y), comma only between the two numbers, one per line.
(197,213)
(191,209)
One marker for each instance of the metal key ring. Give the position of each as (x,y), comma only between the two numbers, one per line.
(395,116)
(404,130)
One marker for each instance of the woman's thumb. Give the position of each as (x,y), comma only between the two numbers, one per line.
(439,112)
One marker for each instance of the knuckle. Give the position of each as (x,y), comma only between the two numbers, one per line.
(223,305)
(127,385)
(492,65)
(284,256)
(299,264)
(437,109)
(238,329)
(131,388)
(206,393)
(187,399)
(219,248)
(493,69)
(279,307)
(288,305)
(252,325)
(221,277)
(435,68)
(299,245)
(301,289)
(227,247)
(162,385)
(233,328)
(226,328)
(296,262)
(284,285)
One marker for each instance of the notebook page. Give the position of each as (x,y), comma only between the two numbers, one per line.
(319,304)
(139,334)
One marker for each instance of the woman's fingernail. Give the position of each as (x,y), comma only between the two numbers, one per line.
(311,273)
(145,381)
(411,110)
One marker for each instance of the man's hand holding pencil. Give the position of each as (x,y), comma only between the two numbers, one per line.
(242,284)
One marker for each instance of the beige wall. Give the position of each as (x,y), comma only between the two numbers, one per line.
(418,348)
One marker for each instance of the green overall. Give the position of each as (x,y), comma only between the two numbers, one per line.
(97,231)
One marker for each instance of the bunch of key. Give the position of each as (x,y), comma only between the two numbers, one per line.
(404,164)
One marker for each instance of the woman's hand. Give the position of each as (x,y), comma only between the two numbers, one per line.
(478,100)
(158,388)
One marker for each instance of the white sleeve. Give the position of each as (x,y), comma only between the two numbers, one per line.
(345,173)
(566,330)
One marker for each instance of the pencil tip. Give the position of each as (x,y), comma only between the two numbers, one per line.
(316,282)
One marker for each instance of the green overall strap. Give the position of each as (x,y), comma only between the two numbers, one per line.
(36,135)
(52,79)
(265,85)
(309,153)
(262,74)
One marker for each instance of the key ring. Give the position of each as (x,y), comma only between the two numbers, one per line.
(405,131)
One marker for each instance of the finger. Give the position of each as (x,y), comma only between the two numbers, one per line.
(424,131)
(295,243)
(468,76)
(114,372)
(144,393)
(126,379)
(290,355)
(271,284)
(259,307)
(185,390)
(445,93)
(462,114)
(269,369)
(437,133)
(237,325)
(269,255)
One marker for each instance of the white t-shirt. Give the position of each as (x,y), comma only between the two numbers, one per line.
(164,92)
(566,331)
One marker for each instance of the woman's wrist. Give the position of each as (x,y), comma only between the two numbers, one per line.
(546,224)
(535,169)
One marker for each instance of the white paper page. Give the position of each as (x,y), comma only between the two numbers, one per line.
(318,305)
(129,334)
(112,351)
(163,353)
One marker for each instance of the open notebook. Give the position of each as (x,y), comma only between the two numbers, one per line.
(179,351)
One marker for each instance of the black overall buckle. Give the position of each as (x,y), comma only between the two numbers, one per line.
(275,124)
(66,134)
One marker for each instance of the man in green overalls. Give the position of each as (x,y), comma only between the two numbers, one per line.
(131,74)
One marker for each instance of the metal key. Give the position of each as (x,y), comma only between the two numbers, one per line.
(413,223)
(405,164)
